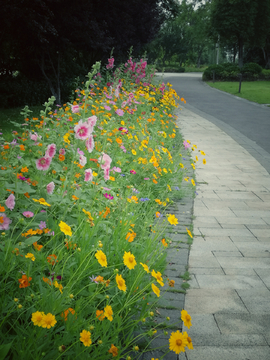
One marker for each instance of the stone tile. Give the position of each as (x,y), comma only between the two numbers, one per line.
(224,212)
(260,232)
(264,274)
(224,232)
(229,353)
(245,271)
(236,239)
(193,282)
(229,281)
(227,253)
(236,262)
(206,271)
(217,339)
(243,323)
(257,301)
(202,324)
(205,261)
(240,220)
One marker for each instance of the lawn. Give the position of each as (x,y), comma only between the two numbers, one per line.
(257,91)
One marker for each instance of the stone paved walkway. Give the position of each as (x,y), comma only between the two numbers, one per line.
(229,298)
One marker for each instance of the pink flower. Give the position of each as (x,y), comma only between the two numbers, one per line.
(4,222)
(82,130)
(42,225)
(83,160)
(123,148)
(10,202)
(75,109)
(62,151)
(28,214)
(50,187)
(119,112)
(35,136)
(43,163)
(106,174)
(107,107)
(105,161)
(132,171)
(125,130)
(90,143)
(88,176)
(116,169)
(108,196)
(92,121)
(186,144)
(110,63)
(51,149)
(107,189)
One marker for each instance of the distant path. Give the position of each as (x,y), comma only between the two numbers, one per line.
(246,122)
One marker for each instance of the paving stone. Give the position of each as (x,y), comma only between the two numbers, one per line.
(217,339)
(229,353)
(229,282)
(171,300)
(243,323)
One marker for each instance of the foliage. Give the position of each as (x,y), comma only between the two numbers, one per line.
(231,71)
(81,188)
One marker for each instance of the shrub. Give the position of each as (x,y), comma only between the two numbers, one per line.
(251,69)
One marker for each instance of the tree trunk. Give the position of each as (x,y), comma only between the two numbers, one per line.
(199,57)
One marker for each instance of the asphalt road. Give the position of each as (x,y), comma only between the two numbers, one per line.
(246,122)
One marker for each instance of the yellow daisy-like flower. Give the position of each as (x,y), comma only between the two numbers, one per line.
(178,342)
(193,182)
(41,201)
(30,256)
(58,286)
(108,312)
(158,277)
(48,321)
(189,233)
(65,228)
(181,165)
(129,260)
(113,350)
(101,258)
(85,337)
(121,283)
(156,290)
(172,219)
(204,161)
(65,137)
(186,318)
(37,318)
(133,152)
(145,267)
(189,345)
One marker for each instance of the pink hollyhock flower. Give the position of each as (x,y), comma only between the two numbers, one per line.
(107,107)
(106,174)
(83,160)
(75,109)
(28,214)
(105,161)
(88,175)
(35,136)
(10,202)
(110,63)
(62,151)
(79,151)
(4,222)
(90,143)
(43,163)
(186,144)
(92,122)
(50,187)
(82,130)
(51,150)
(119,112)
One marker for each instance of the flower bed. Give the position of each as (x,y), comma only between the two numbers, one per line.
(81,187)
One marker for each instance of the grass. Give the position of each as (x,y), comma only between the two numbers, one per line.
(257,91)
(13,114)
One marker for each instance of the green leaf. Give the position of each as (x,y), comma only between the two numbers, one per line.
(4,349)
(31,240)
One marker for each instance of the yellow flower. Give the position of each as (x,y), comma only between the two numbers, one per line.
(133,152)
(189,233)
(202,152)
(113,350)
(130,235)
(204,161)
(156,290)
(85,337)
(65,137)
(101,258)
(145,267)
(65,228)
(178,342)
(30,256)
(193,182)
(189,345)
(121,283)
(58,286)
(88,214)
(186,318)
(48,321)
(108,313)
(129,260)
(172,219)
(37,318)
(169,187)
(42,201)
(158,277)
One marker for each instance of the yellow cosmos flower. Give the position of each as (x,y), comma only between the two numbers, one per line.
(101,258)
(108,312)
(181,165)
(30,256)
(193,182)
(156,290)
(158,277)
(121,283)
(113,350)
(186,318)
(178,342)
(189,345)
(65,228)
(48,321)
(189,233)
(37,318)
(133,152)
(42,201)
(129,260)
(204,161)
(85,337)
(172,219)
(66,138)
(145,267)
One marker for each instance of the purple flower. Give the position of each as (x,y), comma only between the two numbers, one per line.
(176,188)
(28,214)
(119,112)
(108,196)
(146,178)
(4,222)
(144,199)
(10,202)
(42,225)
(107,107)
